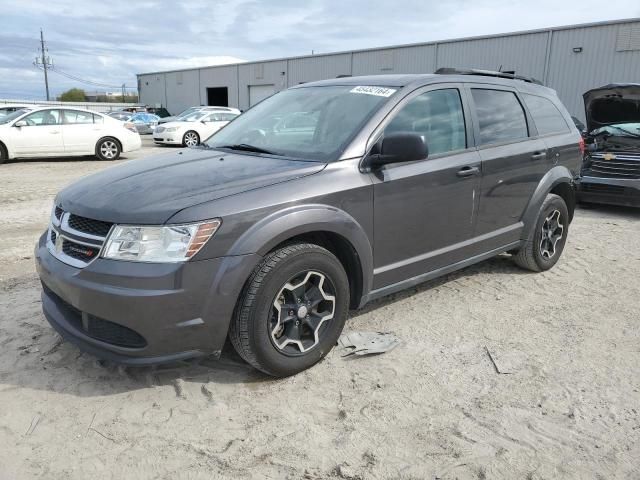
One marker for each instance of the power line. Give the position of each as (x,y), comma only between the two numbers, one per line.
(85,81)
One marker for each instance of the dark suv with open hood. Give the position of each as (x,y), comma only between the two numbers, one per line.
(611,170)
(319,199)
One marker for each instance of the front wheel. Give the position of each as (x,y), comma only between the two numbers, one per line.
(292,310)
(543,248)
(108,149)
(4,156)
(191,139)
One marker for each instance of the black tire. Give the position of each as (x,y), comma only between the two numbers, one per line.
(535,255)
(4,156)
(108,149)
(251,328)
(186,139)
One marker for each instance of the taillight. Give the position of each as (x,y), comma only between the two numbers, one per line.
(582,146)
(130,126)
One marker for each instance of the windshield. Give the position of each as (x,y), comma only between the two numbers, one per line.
(194,116)
(631,129)
(187,112)
(12,116)
(313,123)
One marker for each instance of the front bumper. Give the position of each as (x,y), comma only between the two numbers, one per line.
(610,191)
(167,139)
(142,313)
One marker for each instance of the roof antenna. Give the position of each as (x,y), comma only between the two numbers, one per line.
(500,68)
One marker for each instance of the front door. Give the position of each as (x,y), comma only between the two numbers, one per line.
(424,211)
(41,136)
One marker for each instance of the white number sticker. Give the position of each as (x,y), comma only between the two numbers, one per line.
(377,91)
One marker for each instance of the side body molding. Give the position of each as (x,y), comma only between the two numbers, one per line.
(279,226)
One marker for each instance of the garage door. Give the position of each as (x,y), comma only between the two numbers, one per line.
(257,93)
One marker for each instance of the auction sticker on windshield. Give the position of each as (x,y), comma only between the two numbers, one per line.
(377,91)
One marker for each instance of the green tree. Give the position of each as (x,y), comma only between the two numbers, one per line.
(73,95)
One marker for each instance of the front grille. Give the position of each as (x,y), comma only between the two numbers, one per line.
(98,328)
(76,240)
(87,225)
(602,188)
(621,165)
(78,251)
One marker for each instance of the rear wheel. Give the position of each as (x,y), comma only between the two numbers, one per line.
(4,156)
(191,139)
(108,149)
(292,310)
(544,246)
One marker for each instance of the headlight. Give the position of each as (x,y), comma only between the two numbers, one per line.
(171,129)
(169,243)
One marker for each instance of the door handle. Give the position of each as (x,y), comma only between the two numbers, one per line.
(538,155)
(468,171)
(54,132)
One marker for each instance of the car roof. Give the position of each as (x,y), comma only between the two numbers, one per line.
(418,80)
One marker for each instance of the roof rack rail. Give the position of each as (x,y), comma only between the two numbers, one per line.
(487,73)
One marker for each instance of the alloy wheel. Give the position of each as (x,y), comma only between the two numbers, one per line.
(109,149)
(552,231)
(191,139)
(301,312)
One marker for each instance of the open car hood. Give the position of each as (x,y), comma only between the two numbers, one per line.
(613,103)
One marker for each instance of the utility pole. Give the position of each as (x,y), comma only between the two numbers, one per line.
(45,61)
(123,92)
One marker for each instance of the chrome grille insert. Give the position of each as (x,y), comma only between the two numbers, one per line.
(75,240)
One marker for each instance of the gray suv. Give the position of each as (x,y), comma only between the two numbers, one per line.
(317,200)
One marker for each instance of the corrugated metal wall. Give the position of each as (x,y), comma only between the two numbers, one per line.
(610,53)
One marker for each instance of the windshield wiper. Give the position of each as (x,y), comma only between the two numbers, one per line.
(245,147)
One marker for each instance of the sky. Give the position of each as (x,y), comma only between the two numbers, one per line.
(109,42)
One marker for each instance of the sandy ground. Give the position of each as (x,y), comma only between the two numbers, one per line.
(568,405)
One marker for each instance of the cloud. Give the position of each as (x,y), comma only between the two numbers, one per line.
(110,45)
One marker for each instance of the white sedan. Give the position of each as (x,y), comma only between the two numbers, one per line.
(65,132)
(190,131)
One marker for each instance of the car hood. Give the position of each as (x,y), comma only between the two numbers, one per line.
(152,190)
(614,103)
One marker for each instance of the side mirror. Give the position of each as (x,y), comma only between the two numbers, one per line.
(20,123)
(398,148)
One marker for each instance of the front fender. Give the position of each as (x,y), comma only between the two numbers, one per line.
(290,222)
(557,175)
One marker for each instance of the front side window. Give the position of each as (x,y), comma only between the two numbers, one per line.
(500,116)
(436,116)
(76,117)
(325,120)
(43,117)
(546,115)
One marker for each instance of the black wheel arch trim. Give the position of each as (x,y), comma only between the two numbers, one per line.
(296,221)
(557,176)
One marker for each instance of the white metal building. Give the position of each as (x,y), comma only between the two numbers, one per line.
(570,59)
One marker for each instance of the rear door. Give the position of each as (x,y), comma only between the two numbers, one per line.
(42,136)
(79,131)
(424,211)
(513,162)
(553,127)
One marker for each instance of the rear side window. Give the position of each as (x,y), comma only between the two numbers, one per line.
(76,117)
(436,116)
(546,115)
(500,115)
